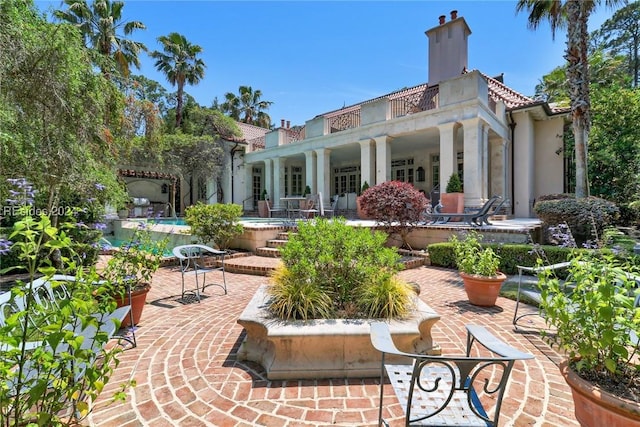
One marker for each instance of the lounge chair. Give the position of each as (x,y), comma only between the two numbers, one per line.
(471,218)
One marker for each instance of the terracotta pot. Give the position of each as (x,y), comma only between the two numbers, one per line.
(138,300)
(361,213)
(452,203)
(263,211)
(595,407)
(482,290)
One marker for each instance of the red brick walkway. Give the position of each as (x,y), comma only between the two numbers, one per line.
(187,373)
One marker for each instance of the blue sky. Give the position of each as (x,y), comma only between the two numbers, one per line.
(310,57)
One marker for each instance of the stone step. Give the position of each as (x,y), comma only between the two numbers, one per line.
(283,235)
(268,252)
(276,243)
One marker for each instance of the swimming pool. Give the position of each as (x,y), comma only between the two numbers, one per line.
(181,221)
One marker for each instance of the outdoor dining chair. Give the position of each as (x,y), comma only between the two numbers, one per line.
(443,390)
(192,263)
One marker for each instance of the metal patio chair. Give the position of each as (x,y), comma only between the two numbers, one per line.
(192,263)
(447,390)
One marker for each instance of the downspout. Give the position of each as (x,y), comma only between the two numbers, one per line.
(512,126)
(233,151)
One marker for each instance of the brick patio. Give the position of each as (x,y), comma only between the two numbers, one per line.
(187,373)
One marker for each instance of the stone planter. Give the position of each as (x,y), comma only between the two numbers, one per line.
(333,348)
(595,407)
(263,211)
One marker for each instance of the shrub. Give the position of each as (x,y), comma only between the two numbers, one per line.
(396,207)
(217,223)
(454,185)
(473,258)
(327,268)
(586,217)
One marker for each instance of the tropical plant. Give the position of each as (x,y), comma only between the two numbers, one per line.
(454,185)
(134,263)
(53,381)
(100,25)
(330,269)
(180,64)
(472,258)
(396,206)
(218,223)
(595,320)
(247,107)
(575,15)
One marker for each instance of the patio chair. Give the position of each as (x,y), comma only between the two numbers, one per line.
(331,212)
(312,206)
(447,390)
(495,211)
(192,263)
(272,209)
(471,218)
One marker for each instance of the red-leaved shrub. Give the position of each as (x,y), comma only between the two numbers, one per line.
(395,206)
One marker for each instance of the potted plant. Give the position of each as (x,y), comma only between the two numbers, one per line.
(453,200)
(304,203)
(479,269)
(132,267)
(597,325)
(263,211)
(361,214)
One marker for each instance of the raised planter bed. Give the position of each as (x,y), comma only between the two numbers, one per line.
(334,348)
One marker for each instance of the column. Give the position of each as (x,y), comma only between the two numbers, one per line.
(523,158)
(473,161)
(367,162)
(324,172)
(485,152)
(278,180)
(268,178)
(310,171)
(383,159)
(448,155)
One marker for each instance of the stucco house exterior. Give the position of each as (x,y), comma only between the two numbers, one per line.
(460,120)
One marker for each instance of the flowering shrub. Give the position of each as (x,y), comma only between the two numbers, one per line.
(219,223)
(396,206)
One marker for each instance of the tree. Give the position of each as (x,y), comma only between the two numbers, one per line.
(247,107)
(52,107)
(100,25)
(574,14)
(620,35)
(180,64)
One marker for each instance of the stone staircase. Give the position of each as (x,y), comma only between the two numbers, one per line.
(272,249)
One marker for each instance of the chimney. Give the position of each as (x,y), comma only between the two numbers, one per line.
(288,124)
(281,123)
(448,48)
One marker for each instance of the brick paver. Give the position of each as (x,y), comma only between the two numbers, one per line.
(187,373)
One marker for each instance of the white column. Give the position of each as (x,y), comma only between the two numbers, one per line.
(473,161)
(324,172)
(484,148)
(310,170)
(268,178)
(448,155)
(383,159)
(367,162)
(278,180)
(523,158)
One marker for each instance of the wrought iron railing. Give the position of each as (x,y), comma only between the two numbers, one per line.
(344,121)
(294,134)
(415,102)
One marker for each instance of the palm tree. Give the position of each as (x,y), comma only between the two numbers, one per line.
(247,108)
(180,64)
(100,25)
(574,14)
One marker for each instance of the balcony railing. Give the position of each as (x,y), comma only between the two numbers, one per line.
(415,102)
(344,121)
(294,134)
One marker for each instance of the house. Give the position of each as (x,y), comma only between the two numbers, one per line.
(460,120)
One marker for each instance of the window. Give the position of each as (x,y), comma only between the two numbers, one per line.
(435,170)
(346,179)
